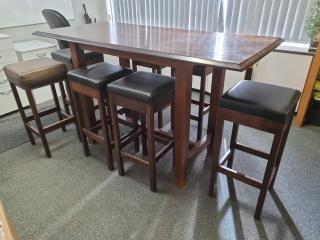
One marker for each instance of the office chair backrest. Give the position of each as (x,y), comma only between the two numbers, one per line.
(56,20)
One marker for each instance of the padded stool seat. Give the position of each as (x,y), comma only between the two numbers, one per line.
(264,100)
(98,75)
(64,55)
(143,86)
(35,73)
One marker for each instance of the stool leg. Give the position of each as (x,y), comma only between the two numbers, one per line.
(234,135)
(151,148)
(38,122)
(105,130)
(160,114)
(56,102)
(81,123)
(22,113)
(71,100)
(64,98)
(280,153)
(173,72)
(216,154)
(134,67)
(201,106)
(135,118)
(268,174)
(116,134)
(144,135)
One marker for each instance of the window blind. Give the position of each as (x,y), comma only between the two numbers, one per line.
(282,18)
(202,15)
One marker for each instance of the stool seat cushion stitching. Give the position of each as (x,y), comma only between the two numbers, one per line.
(261,99)
(35,73)
(98,75)
(142,86)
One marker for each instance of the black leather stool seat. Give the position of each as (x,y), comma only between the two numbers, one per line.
(142,86)
(64,55)
(98,75)
(260,99)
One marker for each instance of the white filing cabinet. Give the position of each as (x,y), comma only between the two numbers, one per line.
(7,55)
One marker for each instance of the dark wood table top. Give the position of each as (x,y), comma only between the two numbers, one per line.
(225,50)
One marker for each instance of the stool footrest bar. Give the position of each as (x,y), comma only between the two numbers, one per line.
(239,176)
(252,151)
(134,158)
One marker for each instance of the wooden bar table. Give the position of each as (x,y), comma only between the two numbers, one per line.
(176,48)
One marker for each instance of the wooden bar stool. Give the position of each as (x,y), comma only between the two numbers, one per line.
(91,81)
(33,74)
(261,106)
(145,93)
(203,108)
(201,71)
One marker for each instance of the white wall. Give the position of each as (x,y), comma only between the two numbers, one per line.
(96,9)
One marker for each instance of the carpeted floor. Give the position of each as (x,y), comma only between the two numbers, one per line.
(71,196)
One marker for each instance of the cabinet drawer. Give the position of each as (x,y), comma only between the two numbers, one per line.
(7,56)
(36,54)
(6,44)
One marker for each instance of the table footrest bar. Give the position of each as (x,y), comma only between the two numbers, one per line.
(93,136)
(164,150)
(225,157)
(252,151)
(199,147)
(194,117)
(239,176)
(125,140)
(134,158)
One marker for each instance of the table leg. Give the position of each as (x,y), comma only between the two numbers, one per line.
(217,85)
(78,61)
(182,121)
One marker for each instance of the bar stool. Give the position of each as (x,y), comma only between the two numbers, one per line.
(33,74)
(145,93)
(203,107)
(261,106)
(91,81)
(201,71)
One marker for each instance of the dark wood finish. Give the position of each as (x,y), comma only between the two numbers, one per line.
(149,136)
(40,130)
(216,49)
(85,92)
(179,49)
(280,131)
(22,112)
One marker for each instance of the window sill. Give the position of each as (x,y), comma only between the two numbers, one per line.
(294,48)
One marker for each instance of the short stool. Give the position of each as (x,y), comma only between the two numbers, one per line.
(33,74)
(145,93)
(261,106)
(91,81)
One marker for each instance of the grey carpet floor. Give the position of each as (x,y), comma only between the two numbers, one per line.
(71,196)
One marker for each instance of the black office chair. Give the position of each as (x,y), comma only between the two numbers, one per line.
(57,20)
